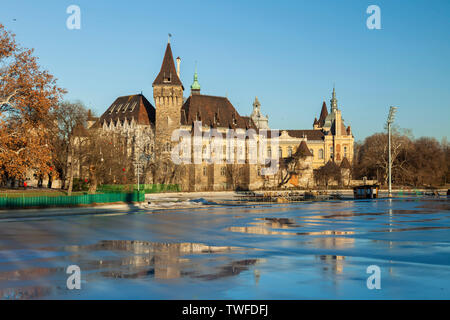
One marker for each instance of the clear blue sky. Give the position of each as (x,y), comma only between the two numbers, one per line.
(288,53)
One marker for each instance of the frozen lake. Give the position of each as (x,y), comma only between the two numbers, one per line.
(310,250)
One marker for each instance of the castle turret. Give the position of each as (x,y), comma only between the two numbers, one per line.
(168,96)
(261,122)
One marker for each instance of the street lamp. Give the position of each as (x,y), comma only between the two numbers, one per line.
(390,120)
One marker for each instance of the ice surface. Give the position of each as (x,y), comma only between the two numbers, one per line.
(309,250)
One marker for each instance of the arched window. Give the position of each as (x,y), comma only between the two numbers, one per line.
(290,152)
(269,152)
(320,153)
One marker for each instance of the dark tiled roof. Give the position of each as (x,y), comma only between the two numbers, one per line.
(135,106)
(303,150)
(168,70)
(343,128)
(323,114)
(249,122)
(309,134)
(213,111)
(345,164)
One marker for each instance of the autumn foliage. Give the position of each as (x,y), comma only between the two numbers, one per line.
(27,96)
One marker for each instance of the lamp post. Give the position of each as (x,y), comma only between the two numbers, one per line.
(390,120)
(138,163)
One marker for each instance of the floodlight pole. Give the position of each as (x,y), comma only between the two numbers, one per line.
(390,162)
(390,120)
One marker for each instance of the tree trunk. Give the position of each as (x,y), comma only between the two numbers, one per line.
(69,189)
(93,181)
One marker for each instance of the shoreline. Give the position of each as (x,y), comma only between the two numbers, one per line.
(160,202)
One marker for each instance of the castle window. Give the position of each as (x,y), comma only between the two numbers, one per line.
(126,107)
(320,153)
(222,171)
(345,151)
(133,106)
(269,152)
(112,109)
(167,78)
(290,152)
(204,171)
(118,108)
(331,152)
(280,152)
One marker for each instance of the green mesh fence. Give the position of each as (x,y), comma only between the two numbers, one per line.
(62,201)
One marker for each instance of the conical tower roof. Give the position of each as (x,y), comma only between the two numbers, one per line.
(168,73)
(323,114)
(303,150)
(345,164)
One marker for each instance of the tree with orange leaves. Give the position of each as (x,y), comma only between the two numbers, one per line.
(27,95)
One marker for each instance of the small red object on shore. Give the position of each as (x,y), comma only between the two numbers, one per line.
(86,180)
(25,184)
(123,169)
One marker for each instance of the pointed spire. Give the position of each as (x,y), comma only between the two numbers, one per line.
(333,100)
(315,121)
(323,114)
(168,73)
(256,103)
(195,86)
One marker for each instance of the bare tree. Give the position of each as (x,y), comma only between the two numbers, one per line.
(327,173)
(70,118)
(373,154)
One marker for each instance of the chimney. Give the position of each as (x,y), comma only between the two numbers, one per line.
(178,66)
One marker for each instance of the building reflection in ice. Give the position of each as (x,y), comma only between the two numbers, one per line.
(128,259)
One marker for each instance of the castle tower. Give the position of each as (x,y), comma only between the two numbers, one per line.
(168,97)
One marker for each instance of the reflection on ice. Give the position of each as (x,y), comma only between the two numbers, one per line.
(290,251)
